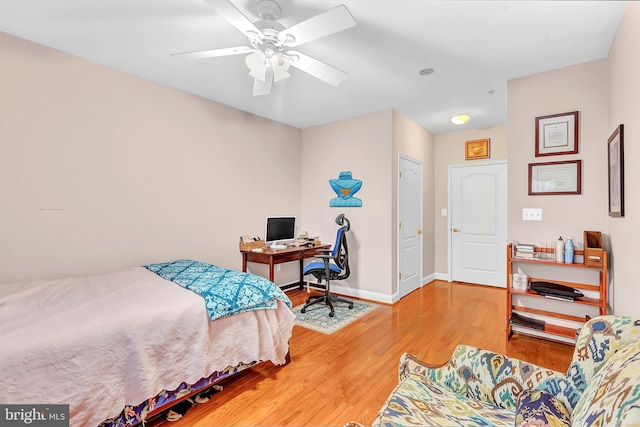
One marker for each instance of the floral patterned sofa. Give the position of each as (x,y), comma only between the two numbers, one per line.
(478,387)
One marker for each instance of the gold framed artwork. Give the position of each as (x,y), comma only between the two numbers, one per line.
(476,149)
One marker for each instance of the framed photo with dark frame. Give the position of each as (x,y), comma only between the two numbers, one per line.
(615,146)
(553,178)
(557,134)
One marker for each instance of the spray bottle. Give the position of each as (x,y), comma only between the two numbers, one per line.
(559,250)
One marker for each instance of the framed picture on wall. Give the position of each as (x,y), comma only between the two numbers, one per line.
(555,178)
(557,134)
(476,149)
(616,172)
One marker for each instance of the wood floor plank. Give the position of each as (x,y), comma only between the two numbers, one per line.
(349,374)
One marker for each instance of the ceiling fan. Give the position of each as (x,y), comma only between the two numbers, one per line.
(270,54)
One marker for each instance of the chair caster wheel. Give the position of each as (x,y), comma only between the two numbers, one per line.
(304,310)
(351,306)
(332,314)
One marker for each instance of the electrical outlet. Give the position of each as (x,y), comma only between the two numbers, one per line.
(531,214)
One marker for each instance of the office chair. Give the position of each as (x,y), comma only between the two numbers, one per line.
(327,270)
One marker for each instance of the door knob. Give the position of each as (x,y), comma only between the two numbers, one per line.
(419,231)
(455,230)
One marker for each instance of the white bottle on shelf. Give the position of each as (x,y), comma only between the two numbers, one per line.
(559,250)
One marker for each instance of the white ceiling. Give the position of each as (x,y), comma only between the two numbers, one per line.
(473,46)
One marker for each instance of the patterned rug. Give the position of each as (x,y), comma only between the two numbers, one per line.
(317,316)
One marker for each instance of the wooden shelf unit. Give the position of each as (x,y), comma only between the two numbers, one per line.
(551,329)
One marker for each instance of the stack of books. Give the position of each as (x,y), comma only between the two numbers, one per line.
(525,250)
(519,320)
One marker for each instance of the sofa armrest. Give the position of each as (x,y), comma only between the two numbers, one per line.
(489,377)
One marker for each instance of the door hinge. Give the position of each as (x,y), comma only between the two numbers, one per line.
(400,275)
(400,224)
(400,174)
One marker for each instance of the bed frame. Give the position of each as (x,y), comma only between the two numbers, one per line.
(136,415)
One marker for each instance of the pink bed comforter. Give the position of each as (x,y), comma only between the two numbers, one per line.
(99,343)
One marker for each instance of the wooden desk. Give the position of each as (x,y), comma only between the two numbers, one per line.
(271,257)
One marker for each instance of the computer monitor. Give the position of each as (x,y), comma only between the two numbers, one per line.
(280,229)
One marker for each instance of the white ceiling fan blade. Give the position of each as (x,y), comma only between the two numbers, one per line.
(228,11)
(332,21)
(317,68)
(213,53)
(263,87)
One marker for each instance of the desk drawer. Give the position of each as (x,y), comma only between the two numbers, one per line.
(258,257)
(293,256)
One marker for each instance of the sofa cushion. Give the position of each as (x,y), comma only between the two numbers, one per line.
(612,397)
(599,338)
(490,377)
(539,408)
(417,401)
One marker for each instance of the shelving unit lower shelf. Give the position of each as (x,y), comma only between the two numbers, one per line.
(552,318)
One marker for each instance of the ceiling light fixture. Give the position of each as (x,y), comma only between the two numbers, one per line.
(460,119)
(261,60)
(426,71)
(280,64)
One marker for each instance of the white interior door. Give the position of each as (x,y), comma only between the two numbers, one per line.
(478,223)
(409,225)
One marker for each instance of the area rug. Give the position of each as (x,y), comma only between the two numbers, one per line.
(317,316)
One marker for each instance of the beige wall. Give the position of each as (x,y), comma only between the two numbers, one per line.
(368,146)
(101,170)
(624,108)
(580,88)
(412,140)
(361,145)
(450,150)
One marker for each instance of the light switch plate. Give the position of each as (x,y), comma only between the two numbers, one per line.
(443,212)
(531,214)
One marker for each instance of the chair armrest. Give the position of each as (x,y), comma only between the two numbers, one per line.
(489,377)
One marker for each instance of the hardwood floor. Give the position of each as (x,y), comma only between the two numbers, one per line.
(348,375)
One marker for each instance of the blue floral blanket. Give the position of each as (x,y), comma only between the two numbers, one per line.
(226,292)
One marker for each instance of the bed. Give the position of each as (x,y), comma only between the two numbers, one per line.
(121,347)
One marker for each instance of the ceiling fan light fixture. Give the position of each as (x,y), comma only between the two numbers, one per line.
(260,74)
(280,64)
(256,64)
(460,119)
(268,56)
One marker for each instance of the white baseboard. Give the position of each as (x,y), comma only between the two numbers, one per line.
(442,276)
(340,288)
(430,278)
(362,294)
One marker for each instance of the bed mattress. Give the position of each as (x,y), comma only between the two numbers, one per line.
(99,343)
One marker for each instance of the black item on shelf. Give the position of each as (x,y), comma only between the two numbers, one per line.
(555,290)
(520,320)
